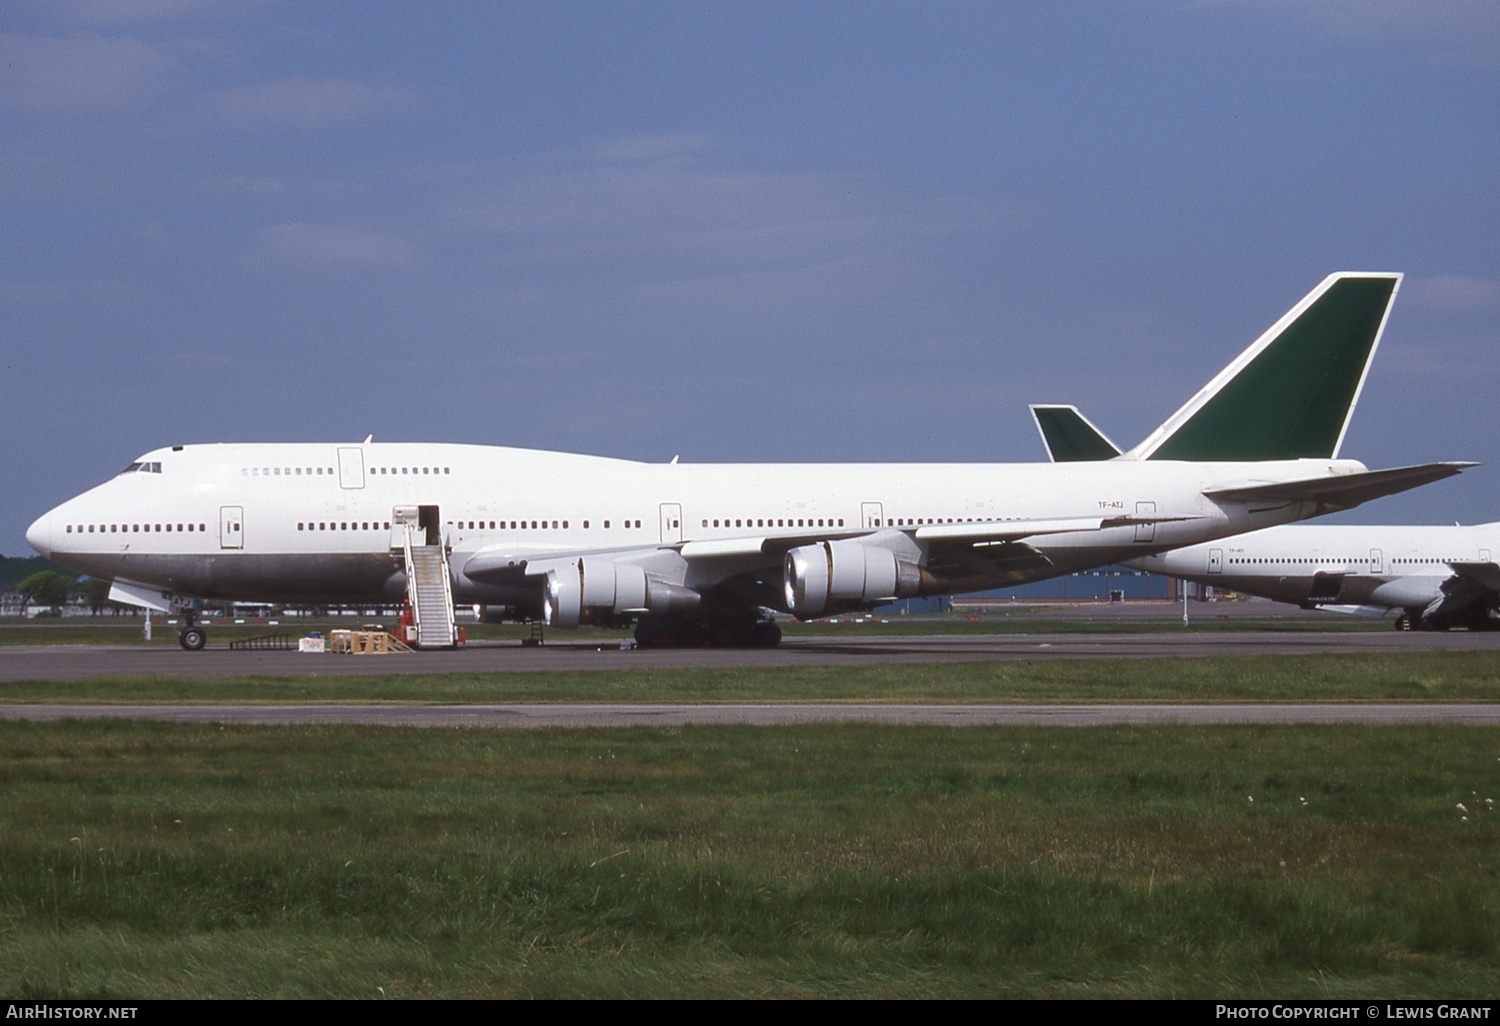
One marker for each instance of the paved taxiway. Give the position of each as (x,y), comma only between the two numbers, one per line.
(672,715)
(65,662)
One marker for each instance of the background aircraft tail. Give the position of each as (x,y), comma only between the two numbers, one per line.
(1291,394)
(1069,437)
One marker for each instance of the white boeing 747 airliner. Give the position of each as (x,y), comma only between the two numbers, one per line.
(697,553)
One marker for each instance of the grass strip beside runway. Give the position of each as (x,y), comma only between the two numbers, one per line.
(160,860)
(1385,677)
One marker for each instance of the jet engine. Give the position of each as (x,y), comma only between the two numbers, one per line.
(598,590)
(846,573)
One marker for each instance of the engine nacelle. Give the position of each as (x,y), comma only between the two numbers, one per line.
(562,599)
(846,572)
(600,589)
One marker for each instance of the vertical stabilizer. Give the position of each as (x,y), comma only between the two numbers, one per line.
(1069,437)
(1291,394)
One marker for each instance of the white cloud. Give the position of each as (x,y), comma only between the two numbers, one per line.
(1465,29)
(47,75)
(670,225)
(125,12)
(1453,292)
(652,147)
(43,291)
(328,247)
(300,102)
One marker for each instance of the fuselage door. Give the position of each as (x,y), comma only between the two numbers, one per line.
(1377,561)
(1145,532)
(671,523)
(231,527)
(400,517)
(351,468)
(870,514)
(1484,555)
(1216,561)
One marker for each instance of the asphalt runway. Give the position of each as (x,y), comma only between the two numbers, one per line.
(70,662)
(770,715)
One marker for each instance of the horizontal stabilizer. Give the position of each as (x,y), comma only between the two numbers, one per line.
(1343,491)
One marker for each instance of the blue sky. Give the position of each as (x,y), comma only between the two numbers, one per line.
(731,231)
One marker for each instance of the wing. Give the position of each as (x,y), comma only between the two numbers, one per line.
(804,574)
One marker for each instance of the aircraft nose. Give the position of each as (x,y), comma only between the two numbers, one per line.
(39,535)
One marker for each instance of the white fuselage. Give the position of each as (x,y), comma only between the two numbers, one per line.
(1313,564)
(313,522)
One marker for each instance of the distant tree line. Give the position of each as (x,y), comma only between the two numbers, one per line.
(54,590)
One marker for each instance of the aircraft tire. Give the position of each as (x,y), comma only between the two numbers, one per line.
(192,639)
(691,634)
(767,634)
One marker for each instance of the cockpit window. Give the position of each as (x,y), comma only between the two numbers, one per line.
(153,467)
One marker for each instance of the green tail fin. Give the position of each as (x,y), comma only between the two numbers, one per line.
(1069,437)
(1291,394)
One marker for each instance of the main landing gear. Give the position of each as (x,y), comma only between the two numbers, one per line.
(1473,620)
(191,637)
(703,632)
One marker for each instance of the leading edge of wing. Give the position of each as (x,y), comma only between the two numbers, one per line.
(503,562)
(994,532)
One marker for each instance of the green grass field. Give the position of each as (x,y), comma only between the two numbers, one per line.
(1444,676)
(141,860)
(146,860)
